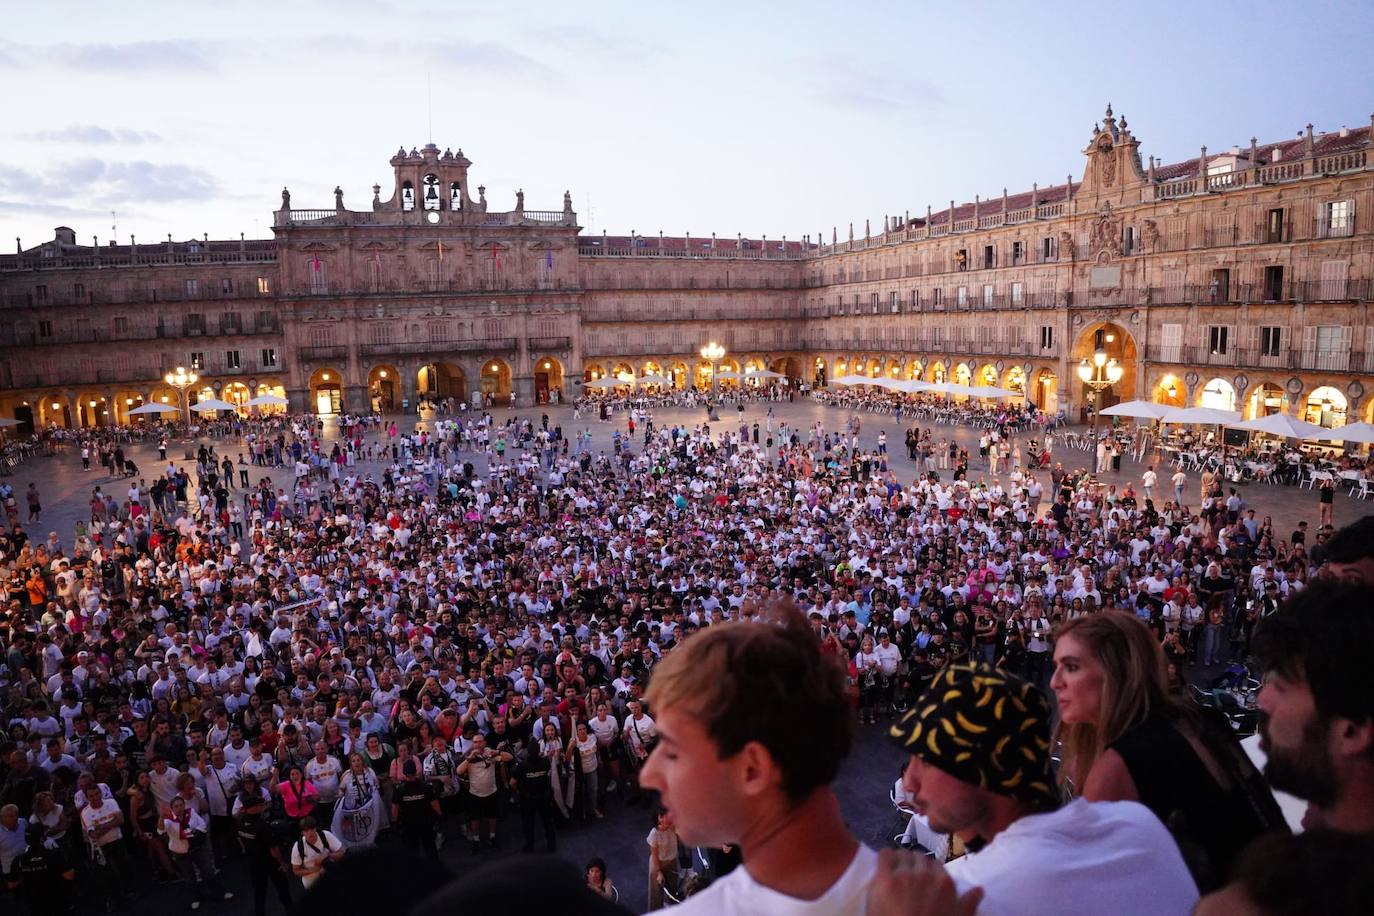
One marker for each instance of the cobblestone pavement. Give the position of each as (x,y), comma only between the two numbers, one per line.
(868,775)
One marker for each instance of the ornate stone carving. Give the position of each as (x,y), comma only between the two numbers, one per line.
(1354,390)
(1106,233)
(1242,382)
(1294,386)
(1106,161)
(1150,233)
(1066,245)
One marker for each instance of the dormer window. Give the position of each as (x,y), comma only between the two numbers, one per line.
(431,183)
(407,197)
(455,196)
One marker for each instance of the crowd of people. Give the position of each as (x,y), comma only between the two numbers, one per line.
(426,631)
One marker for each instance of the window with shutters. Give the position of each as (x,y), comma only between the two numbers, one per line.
(1327,347)
(1173,285)
(322,336)
(1337,220)
(962,300)
(264,286)
(380,332)
(226,287)
(192,288)
(1016,297)
(1333,280)
(315,270)
(1217,339)
(491,329)
(1047,337)
(987,295)
(937,297)
(267,357)
(1049,249)
(231,359)
(374,275)
(1270,341)
(1170,342)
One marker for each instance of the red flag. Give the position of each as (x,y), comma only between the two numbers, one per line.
(316,262)
(441,250)
(495,256)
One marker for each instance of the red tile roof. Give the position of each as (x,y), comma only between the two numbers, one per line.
(679,243)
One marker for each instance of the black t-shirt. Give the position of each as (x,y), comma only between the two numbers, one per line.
(256,836)
(414,798)
(39,871)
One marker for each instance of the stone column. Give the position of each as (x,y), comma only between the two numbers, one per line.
(410,388)
(299,400)
(355,399)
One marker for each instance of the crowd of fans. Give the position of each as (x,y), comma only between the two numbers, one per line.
(231,668)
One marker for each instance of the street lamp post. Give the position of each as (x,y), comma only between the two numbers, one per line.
(713,352)
(1099,375)
(182,379)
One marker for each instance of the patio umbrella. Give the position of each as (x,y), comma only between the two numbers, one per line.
(1280,424)
(267,400)
(852,380)
(652,379)
(884,382)
(992,391)
(1140,410)
(6,421)
(1352,432)
(1205,416)
(608,383)
(913,385)
(154,408)
(728,374)
(213,404)
(763,373)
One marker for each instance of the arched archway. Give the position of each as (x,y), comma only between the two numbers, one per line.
(1218,394)
(93,410)
(962,375)
(678,373)
(384,389)
(841,367)
(548,379)
(1118,344)
(1326,406)
(789,366)
(755,364)
(236,393)
(1046,393)
(987,375)
(874,367)
(913,370)
(593,371)
(125,401)
(326,391)
(439,382)
(496,379)
(276,388)
(1014,379)
(937,372)
(1169,390)
(820,372)
(650,367)
(1267,398)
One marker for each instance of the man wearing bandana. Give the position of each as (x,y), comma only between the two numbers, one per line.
(979,740)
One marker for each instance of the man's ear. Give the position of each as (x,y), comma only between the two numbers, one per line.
(1351,738)
(757,768)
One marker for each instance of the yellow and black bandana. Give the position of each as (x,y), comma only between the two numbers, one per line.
(984,727)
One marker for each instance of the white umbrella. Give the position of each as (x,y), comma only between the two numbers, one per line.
(763,373)
(213,404)
(1280,424)
(913,385)
(267,400)
(729,374)
(6,421)
(608,383)
(1140,410)
(1351,432)
(852,380)
(652,379)
(154,408)
(884,382)
(1206,416)
(992,391)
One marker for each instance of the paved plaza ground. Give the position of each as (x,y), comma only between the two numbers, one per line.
(620,839)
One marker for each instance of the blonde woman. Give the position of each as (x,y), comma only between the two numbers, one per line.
(1126,738)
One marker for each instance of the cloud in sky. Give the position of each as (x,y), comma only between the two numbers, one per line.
(180,56)
(849,84)
(93,134)
(97,181)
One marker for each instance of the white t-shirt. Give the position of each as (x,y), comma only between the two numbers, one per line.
(1086,858)
(310,855)
(738,894)
(103,820)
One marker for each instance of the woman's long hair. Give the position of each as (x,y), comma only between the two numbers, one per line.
(1134,688)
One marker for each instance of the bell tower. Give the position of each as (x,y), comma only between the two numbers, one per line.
(1113,165)
(428,180)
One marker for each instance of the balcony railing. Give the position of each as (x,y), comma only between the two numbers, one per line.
(436,347)
(286,219)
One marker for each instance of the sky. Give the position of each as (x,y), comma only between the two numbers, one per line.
(758,118)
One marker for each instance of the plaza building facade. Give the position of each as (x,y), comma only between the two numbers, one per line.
(1238,279)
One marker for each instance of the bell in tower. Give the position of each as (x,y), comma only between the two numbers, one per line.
(431,192)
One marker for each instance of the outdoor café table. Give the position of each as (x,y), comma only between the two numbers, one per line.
(1352,477)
